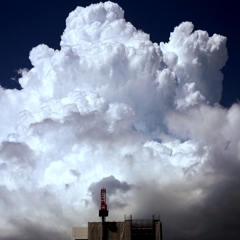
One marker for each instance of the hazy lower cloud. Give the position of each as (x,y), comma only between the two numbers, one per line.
(112,109)
(115,191)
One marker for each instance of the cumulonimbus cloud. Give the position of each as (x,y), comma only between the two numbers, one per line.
(111,107)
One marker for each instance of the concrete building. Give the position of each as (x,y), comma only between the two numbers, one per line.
(130,229)
(79,233)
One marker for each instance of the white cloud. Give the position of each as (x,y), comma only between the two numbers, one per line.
(110,105)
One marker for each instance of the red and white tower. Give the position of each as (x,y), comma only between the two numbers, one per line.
(103,212)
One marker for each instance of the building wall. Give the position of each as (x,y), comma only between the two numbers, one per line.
(79,233)
(123,230)
(146,229)
(118,231)
(158,230)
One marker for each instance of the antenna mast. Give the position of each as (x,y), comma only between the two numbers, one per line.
(103,211)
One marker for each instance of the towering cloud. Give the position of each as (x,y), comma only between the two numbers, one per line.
(112,109)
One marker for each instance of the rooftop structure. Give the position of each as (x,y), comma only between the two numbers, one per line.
(129,229)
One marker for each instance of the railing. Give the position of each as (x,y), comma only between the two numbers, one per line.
(142,223)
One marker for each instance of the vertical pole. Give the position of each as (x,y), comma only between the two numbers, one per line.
(103,237)
(103,212)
